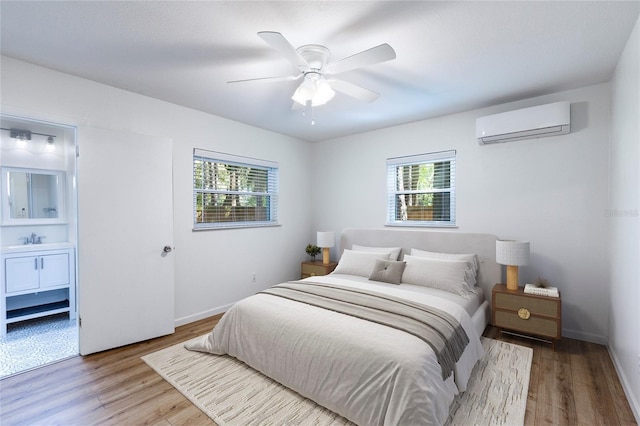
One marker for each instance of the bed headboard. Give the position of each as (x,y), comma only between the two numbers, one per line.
(483,245)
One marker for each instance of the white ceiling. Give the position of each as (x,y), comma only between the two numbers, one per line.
(451,56)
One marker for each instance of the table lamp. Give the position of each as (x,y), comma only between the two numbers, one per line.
(326,240)
(513,254)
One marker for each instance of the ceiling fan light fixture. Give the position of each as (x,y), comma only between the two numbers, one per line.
(324,93)
(314,88)
(304,92)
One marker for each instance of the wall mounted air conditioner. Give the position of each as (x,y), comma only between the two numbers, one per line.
(528,123)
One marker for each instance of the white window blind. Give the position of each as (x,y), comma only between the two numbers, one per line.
(231,191)
(421,190)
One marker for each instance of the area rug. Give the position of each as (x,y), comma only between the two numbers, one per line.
(233,394)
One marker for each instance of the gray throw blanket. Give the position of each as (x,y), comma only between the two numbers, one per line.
(440,330)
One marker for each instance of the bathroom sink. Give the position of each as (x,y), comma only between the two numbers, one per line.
(35,247)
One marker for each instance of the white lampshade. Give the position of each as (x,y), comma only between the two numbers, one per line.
(326,239)
(314,88)
(304,92)
(324,93)
(514,253)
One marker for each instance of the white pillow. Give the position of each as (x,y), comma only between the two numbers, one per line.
(392,252)
(357,263)
(472,259)
(447,275)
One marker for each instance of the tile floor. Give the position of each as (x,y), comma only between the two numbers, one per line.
(33,343)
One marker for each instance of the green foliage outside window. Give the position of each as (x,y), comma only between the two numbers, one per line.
(226,192)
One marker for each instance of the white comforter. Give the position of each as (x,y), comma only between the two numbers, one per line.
(369,373)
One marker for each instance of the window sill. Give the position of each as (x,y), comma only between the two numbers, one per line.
(415,224)
(234,226)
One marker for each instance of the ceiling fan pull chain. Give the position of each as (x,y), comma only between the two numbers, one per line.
(308,112)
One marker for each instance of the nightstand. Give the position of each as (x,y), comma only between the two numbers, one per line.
(517,311)
(316,268)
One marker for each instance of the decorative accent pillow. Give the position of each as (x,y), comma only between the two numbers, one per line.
(357,262)
(392,252)
(447,275)
(471,258)
(387,271)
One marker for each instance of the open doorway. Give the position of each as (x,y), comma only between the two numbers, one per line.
(38,230)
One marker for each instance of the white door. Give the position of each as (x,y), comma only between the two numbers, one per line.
(125,219)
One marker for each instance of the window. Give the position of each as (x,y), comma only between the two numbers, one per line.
(421,190)
(232,192)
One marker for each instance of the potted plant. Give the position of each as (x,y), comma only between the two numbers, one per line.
(312,250)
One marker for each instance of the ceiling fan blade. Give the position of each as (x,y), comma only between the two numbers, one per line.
(282,45)
(354,90)
(268,79)
(375,55)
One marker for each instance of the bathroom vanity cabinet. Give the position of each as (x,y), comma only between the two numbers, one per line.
(37,281)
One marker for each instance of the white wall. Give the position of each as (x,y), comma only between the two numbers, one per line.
(624,325)
(550,191)
(213,268)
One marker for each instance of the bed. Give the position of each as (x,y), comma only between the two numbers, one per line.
(394,350)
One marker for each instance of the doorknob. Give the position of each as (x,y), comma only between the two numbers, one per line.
(167,249)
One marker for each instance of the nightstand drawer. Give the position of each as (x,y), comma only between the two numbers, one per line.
(533,325)
(545,307)
(313,269)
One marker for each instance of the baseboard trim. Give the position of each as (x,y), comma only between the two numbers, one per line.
(202,315)
(626,387)
(587,337)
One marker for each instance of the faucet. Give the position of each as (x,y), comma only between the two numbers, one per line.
(36,239)
(33,239)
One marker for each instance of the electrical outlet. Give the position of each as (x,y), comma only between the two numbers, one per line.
(253,277)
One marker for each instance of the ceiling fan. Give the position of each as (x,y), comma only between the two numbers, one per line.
(314,66)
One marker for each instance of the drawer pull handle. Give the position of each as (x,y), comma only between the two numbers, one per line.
(524,313)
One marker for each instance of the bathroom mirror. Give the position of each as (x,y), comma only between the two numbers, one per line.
(31,196)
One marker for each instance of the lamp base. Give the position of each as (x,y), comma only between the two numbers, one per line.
(325,255)
(512,277)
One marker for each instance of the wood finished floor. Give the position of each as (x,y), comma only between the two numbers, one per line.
(575,385)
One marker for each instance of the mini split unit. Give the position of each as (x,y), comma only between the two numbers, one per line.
(528,123)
